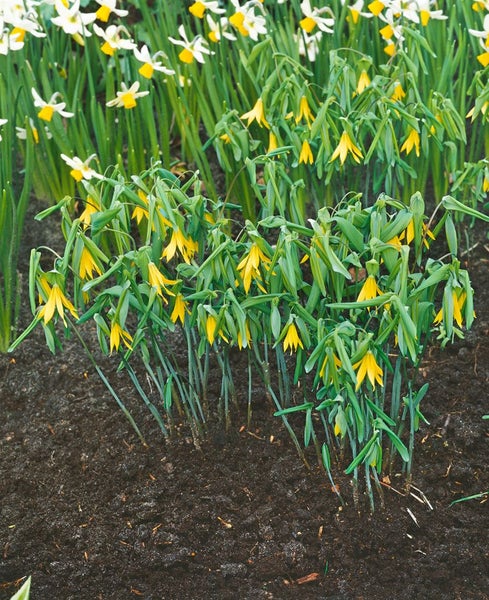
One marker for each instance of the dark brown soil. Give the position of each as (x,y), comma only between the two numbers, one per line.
(91,513)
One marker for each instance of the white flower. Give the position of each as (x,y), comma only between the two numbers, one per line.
(127,96)
(71,20)
(49,108)
(313,18)
(309,44)
(192,49)
(219,30)
(8,41)
(2,122)
(150,62)
(22,132)
(113,40)
(107,7)
(80,169)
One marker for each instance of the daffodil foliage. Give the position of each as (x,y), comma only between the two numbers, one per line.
(343,307)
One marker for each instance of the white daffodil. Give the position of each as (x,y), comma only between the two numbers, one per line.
(313,18)
(80,169)
(219,29)
(151,62)
(113,39)
(192,49)
(106,8)
(8,41)
(49,108)
(21,132)
(199,7)
(2,122)
(72,21)
(126,97)
(309,44)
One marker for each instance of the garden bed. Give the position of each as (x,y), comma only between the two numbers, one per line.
(90,512)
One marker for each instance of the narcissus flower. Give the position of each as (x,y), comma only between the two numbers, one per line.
(412,141)
(106,8)
(257,113)
(292,339)
(117,334)
(367,367)
(219,29)
(56,302)
(80,169)
(313,18)
(50,107)
(72,21)
(346,145)
(2,122)
(246,21)
(198,8)
(376,7)
(249,267)
(127,97)
(113,40)
(194,49)
(151,62)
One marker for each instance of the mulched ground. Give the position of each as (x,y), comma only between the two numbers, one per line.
(91,513)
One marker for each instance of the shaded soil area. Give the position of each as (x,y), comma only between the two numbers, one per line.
(91,513)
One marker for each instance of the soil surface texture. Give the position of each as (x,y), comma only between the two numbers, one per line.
(92,514)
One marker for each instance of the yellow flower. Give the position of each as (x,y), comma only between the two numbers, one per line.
(412,141)
(127,97)
(304,112)
(186,246)
(398,93)
(249,267)
(346,145)
(292,339)
(368,367)
(257,113)
(88,265)
(305,155)
(458,299)
(211,328)
(90,208)
(197,9)
(363,82)
(237,20)
(376,7)
(56,302)
(369,290)
(157,280)
(483,59)
(272,142)
(390,49)
(117,334)
(471,112)
(327,363)
(247,341)
(179,309)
